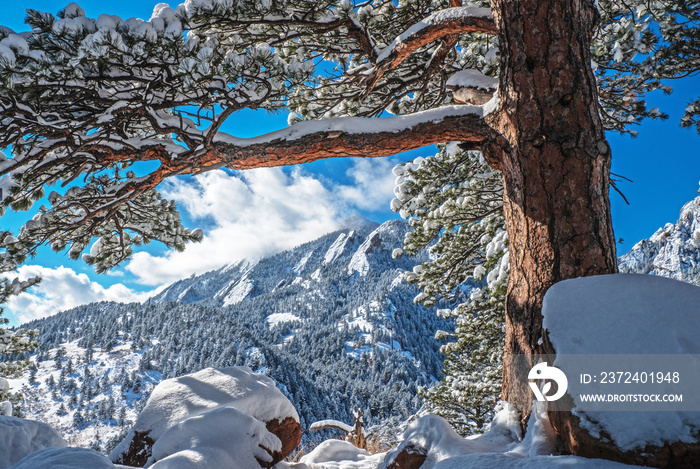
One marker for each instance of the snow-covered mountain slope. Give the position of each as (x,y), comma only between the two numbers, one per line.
(357,249)
(89,395)
(330,321)
(352,267)
(673,251)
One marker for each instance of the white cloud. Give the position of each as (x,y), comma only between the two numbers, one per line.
(261,212)
(373,186)
(62,288)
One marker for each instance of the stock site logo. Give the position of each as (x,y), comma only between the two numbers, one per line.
(542,371)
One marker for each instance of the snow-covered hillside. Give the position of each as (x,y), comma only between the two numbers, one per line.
(673,251)
(355,262)
(89,395)
(330,321)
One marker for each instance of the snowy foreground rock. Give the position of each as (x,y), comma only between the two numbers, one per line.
(216,417)
(232,418)
(19,438)
(625,314)
(429,437)
(65,458)
(220,419)
(430,443)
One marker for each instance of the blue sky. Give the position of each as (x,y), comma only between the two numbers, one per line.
(258,212)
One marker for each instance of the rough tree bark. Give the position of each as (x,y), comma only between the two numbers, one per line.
(555,165)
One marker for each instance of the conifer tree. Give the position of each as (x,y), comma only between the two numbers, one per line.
(453,202)
(13,345)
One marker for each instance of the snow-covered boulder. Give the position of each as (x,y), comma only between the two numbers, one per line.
(6,408)
(65,458)
(224,437)
(174,403)
(632,315)
(19,438)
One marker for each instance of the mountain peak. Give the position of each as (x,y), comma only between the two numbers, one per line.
(357,223)
(673,251)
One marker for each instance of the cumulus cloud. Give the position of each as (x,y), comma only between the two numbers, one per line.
(248,216)
(62,288)
(373,184)
(260,212)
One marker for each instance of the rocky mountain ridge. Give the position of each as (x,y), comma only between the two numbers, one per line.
(673,251)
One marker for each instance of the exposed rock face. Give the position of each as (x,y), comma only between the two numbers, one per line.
(411,457)
(289,433)
(673,251)
(677,455)
(139,450)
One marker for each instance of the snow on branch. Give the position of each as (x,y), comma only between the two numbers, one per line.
(443,23)
(323,424)
(472,79)
(306,142)
(405,131)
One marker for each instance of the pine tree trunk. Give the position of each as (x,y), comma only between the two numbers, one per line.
(555,164)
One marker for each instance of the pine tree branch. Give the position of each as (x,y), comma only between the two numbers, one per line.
(300,143)
(349,136)
(445,23)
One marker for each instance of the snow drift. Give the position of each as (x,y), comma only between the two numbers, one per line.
(65,458)
(19,438)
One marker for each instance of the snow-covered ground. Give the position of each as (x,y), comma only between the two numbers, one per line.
(204,441)
(280,318)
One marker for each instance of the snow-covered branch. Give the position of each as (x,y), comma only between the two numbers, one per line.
(441,24)
(351,136)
